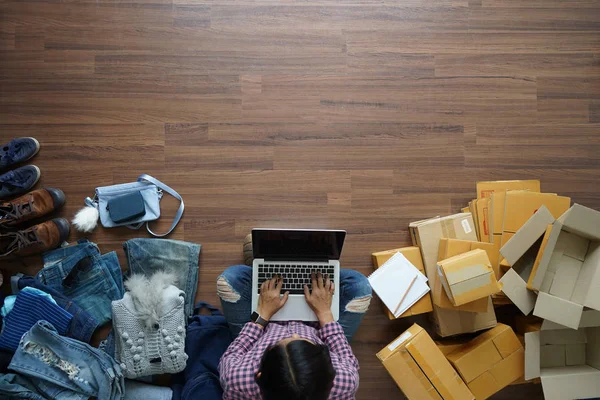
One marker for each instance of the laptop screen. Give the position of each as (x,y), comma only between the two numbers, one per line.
(297,245)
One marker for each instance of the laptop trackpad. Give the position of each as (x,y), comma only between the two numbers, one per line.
(295,309)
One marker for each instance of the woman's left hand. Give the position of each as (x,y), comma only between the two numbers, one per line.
(270,300)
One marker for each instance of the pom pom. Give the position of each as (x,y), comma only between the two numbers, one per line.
(86,219)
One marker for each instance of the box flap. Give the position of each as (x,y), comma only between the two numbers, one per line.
(563,336)
(405,373)
(532,355)
(577,382)
(591,269)
(583,221)
(589,318)
(539,275)
(555,309)
(565,277)
(511,368)
(539,256)
(516,290)
(506,342)
(525,237)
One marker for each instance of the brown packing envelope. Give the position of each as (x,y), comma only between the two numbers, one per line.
(483,219)
(485,189)
(412,254)
(521,205)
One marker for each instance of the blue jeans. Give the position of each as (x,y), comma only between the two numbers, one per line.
(63,368)
(80,273)
(147,256)
(82,325)
(353,286)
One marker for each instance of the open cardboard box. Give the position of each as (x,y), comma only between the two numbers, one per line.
(521,252)
(413,255)
(567,360)
(426,234)
(568,274)
(420,369)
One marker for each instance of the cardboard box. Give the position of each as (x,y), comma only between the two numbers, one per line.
(567,360)
(522,380)
(413,255)
(427,234)
(485,189)
(448,345)
(489,362)
(473,211)
(420,369)
(453,247)
(468,277)
(520,252)
(447,322)
(568,275)
(521,205)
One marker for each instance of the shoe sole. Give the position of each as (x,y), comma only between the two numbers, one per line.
(37,149)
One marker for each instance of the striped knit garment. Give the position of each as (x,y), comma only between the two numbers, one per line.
(29,308)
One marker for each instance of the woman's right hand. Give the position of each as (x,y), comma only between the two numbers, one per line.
(321,297)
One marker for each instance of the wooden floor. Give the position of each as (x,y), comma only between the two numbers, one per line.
(362,115)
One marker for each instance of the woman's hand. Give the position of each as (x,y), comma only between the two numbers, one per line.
(270,300)
(321,298)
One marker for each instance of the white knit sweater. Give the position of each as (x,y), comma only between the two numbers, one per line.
(143,351)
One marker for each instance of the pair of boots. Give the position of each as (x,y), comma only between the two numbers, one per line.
(38,238)
(14,240)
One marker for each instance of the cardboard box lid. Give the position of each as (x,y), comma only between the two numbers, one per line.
(583,221)
(429,232)
(516,290)
(521,205)
(486,188)
(415,345)
(525,237)
(451,322)
(573,382)
(589,318)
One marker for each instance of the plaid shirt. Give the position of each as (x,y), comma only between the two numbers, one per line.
(241,361)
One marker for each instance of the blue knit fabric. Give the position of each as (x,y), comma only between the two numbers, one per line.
(29,308)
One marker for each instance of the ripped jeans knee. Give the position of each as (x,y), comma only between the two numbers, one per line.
(359,305)
(48,357)
(226,292)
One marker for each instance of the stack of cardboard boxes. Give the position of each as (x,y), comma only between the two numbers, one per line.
(511,245)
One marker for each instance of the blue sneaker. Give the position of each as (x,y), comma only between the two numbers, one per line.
(18,181)
(18,150)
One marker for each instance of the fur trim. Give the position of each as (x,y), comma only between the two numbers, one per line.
(86,219)
(147,294)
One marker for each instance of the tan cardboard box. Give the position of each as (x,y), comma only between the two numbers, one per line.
(568,274)
(413,255)
(489,362)
(468,277)
(521,205)
(420,369)
(473,211)
(567,360)
(521,252)
(427,234)
(448,345)
(485,189)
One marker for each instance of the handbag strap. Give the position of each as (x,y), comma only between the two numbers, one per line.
(160,185)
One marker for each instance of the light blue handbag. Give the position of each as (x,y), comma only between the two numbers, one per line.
(151,190)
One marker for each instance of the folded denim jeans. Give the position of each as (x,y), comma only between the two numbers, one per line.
(85,276)
(147,256)
(82,325)
(64,368)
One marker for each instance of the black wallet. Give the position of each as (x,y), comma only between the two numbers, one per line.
(126,207)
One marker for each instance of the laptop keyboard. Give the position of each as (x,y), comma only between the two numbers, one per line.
(295,275)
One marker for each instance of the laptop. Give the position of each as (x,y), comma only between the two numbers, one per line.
(295,254)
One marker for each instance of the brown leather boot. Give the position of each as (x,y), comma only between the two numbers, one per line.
(30,206)
(37,239)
